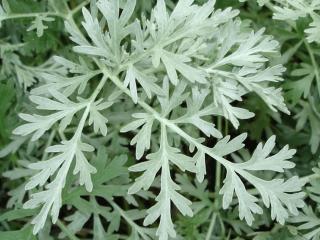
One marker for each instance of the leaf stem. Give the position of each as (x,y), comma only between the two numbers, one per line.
(66,231)
(218,165)
(31,15)
(79,7)
(211,226)
(308,178)
(49,142)
(128,219)
(54,14)
(314,64)
(165,121)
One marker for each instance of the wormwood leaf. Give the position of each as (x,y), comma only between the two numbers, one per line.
(66,85)
(6,6)
(307,114)
(143,137)
(195,113)
(162,209)
(313,31)
(283,197)
(97,119)
(153,165)
(25,233)
(4,10)
(200,160)
(111,180)
(291,10)
(295,9)
(147,82)
(301,87)
(226,146)
(19,172)
(249,53)
(16,214)
(94,31)
(38,125)
(12,147)
(169,103)
(51,197)
(207,63)
(224,93)
(175,62)
(251,75)
(309,223)
(37,24)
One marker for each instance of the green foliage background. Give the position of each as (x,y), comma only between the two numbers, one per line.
(107,213)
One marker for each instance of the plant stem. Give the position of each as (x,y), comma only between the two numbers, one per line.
(308,178)
(218,165)
(53,14)
(124,215)
(31,15)
(79,7)
(314,64)
(211,226)
(116,81)
(66,231)
(218,177)
(49,142)
(161,119)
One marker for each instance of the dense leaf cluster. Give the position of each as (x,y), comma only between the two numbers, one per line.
(158,119)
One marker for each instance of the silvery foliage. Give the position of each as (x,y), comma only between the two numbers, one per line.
(181,69)
(38,23)
(292,10)
(304,87)
(308,114)
(295,9)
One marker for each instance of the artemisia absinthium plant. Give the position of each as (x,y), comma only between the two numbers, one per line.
(163,80)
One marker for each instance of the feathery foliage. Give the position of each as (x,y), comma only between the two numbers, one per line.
(127,106)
